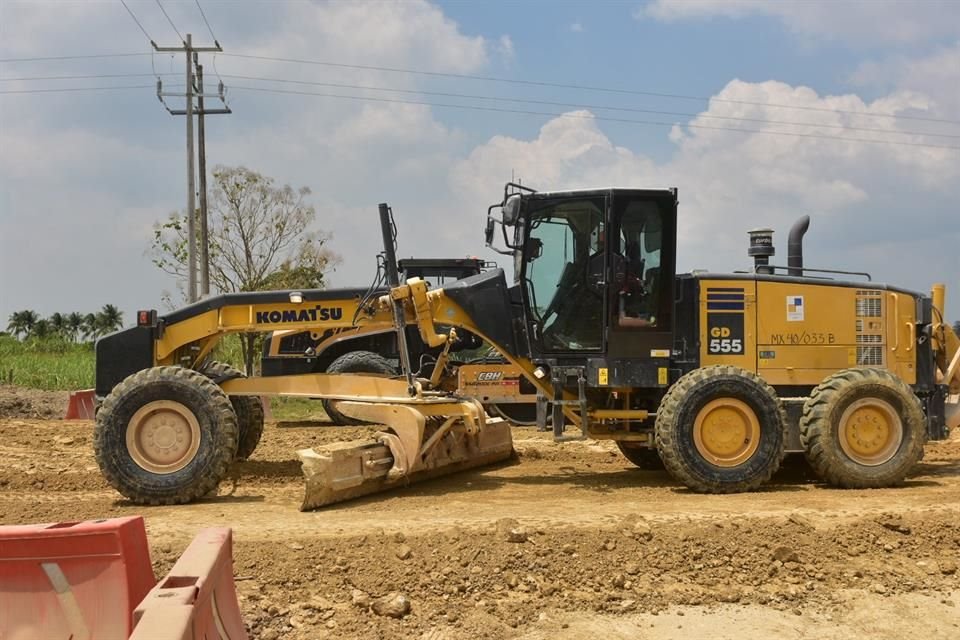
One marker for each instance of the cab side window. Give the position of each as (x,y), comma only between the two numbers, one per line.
(636,266)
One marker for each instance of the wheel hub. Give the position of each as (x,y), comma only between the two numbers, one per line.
(726,432)
(163,436)
(871,431)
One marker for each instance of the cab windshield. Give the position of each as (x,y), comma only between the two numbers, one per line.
(563,273)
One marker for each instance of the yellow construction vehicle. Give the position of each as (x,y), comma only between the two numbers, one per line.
(717,375)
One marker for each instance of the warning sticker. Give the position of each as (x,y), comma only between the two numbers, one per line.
(794,308)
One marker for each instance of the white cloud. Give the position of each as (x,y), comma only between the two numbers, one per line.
(505,48)
(864,23)
(863,198)
(935,75)
(576,27)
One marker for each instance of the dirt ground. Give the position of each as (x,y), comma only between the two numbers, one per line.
(569,541)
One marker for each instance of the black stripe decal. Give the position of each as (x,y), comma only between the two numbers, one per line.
(725,306)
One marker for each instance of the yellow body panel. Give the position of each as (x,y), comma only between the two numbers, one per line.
(800,333)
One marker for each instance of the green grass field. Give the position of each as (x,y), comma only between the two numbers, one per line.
(51,365)
(58,365)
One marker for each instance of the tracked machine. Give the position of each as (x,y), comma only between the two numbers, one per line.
(714,376)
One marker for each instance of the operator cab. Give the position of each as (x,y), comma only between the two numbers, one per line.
(595,270)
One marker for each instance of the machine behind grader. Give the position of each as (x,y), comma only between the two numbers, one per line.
(717,375)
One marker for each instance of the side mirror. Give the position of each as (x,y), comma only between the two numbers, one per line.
(488,232)
(534,249)
(511,210)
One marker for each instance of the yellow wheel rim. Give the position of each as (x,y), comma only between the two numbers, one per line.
(163,436)
(726,432)
(870,432)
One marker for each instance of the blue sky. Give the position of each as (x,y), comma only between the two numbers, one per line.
(84,175)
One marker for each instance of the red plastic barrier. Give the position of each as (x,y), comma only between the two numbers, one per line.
(81,405)
(197,599)
(72,580)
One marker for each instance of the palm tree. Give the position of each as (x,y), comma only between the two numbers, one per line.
(109,319)
(42,328)
(58,324)
(74,325)
(90,329)
(22,322)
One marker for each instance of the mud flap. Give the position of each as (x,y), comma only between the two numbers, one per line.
(414,449)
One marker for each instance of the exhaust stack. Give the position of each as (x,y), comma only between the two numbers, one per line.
(795,246)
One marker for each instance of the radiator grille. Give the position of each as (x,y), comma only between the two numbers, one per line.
(868,307)
(869,356)
(870,336)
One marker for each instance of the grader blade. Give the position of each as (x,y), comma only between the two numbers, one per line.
(422,441)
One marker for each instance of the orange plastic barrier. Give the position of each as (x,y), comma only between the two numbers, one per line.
(81,405)
(197,599)
(72,580)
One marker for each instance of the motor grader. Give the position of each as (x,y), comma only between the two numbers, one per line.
(717,375)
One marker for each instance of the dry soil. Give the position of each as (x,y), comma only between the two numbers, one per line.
(568,541)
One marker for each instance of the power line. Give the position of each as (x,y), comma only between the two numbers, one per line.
(593,117)
(590,106)
(558,85)
(87,77)
(66,89)
(80,57)
(123,2)
(169,20)
(205,20)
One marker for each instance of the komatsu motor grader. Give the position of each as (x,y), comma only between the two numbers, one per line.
(715,375)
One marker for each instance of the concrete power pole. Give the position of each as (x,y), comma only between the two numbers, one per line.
(191,90)
(202,156)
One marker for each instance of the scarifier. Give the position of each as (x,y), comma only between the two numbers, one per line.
(714,376)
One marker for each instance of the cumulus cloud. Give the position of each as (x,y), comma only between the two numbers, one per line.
(89,175)
(863,198)
(861,23)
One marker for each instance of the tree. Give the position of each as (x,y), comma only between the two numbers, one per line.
(90,329)
(956,327)
(42,329)
(74,325)
(22,323)
(260,239)
(58,324)
(108,320)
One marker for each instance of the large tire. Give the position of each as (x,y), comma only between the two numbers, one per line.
(863,428)
(646,458)
(356,362)
(721,429)
(249,409)
(165,435)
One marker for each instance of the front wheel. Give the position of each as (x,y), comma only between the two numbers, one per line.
(355,362)
(165,435)
(721,429)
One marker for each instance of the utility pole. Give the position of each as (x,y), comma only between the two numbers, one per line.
(202,156)
(191,91)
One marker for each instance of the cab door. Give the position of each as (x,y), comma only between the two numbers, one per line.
(642,264)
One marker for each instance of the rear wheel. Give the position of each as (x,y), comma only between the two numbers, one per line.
(165,435)
(863,428)
(643,457)
(721,430)
(517,414)
(356,362)
(249,409)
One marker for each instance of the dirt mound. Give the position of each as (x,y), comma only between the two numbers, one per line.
(569,541)
(19,402)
